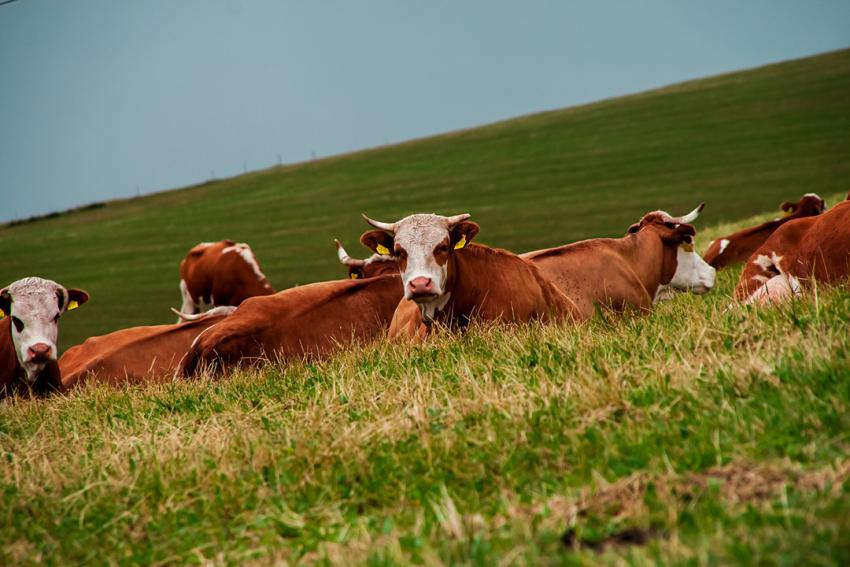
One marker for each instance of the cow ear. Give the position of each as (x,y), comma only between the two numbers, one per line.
(355,273)
(634,228)
(5,302)
(76,297)
(463,233)
(377,241)
(788,207)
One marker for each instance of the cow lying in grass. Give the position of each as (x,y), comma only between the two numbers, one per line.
(630,271)
(307,321)
(31,308)
(448,280)
(136,355)
(740,245)
(220,273)
(800,252)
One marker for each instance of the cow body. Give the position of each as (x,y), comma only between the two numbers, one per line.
(740,245)
(815,247)
(451,281)
(304,322)
(136,355)
(220,273)
(29,330)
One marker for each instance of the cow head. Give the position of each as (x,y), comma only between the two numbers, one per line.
(375,265)
(691,272)
(423,246)
(809,205)
(35,305)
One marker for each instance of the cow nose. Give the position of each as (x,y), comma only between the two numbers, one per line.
(421,286)
(38,351)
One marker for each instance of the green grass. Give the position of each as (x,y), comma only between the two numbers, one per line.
(717,435)
(742,142)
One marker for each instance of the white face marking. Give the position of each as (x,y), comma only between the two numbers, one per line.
(248,255)
(418,235)
(35,308)
(692,272)
(723,244)
(777,288)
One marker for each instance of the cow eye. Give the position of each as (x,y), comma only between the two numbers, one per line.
(19,325)
(441,249)
(400,252)
(670,225)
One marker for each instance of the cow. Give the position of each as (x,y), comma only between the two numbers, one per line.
(137,355)
(31,308)
(739,246)
(374,265)
(304,322)
(814,248)
(620,273)
(451,281)
(220,273)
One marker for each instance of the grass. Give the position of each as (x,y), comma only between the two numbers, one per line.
(698,434)
(742,142)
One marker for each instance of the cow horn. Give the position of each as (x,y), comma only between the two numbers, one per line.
(388,227)
(457,218)
(691,216)
(344,258)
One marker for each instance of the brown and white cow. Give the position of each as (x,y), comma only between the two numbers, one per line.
(451,280)
(739,246)
(304,322)
(28,334)
(629,271)
(137,355)
(812,248)
(374,265)
(220,273)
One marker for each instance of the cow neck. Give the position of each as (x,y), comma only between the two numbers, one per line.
(467,281)
(642,249)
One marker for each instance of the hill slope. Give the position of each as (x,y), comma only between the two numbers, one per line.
(741,142)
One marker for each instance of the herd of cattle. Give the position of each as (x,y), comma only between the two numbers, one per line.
(424,270)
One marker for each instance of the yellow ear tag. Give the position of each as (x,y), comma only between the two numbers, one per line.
(353,276)
(788,213)
(382,250)
(2,314)
(461,243)
(687,247)
(72,305)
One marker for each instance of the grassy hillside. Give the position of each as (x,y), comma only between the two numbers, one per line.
(743,142)
(698,435)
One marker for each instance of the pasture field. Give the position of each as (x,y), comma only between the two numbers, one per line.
(699,434)
(742,142)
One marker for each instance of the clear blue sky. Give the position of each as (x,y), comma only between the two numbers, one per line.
(101,99)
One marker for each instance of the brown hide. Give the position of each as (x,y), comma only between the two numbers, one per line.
(744,242)
(220,279)
(814,247)
(489,284)
(136,355)
(302,322)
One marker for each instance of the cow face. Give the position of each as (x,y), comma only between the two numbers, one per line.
(691,273)
(809,205)
(35,305)
(422,245)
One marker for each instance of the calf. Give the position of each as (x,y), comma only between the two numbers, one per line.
(374,265)
(220,273)
(450,280)
(739,246)
(137,355)
(302,322)
(813,248)
(28,334)
(628,271)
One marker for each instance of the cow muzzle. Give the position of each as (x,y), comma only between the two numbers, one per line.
(39,352)
(421,289)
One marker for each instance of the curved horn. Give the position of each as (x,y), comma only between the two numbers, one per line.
(344,258)
(691,216)
(457,218)
(388,227)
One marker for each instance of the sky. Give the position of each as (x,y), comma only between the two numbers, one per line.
(102,99)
